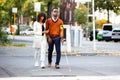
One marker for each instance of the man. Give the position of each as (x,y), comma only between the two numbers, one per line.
(55,36)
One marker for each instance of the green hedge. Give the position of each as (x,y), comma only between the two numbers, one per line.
(3,37)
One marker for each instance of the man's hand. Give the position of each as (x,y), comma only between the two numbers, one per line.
(62,40)
(49,40)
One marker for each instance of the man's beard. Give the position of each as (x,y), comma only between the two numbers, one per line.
(55,16)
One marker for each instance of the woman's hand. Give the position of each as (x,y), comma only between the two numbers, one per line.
(45,32)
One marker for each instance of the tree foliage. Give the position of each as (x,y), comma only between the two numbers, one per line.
(81,14)
(25,7)
(113,5)
(6,10)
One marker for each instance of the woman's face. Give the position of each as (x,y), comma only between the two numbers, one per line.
(42,17)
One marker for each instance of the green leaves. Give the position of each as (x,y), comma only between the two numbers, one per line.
(113,5)
(81,14)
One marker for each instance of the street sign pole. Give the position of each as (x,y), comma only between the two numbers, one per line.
(93,12)
(14,10)
(14,18)
(36,15)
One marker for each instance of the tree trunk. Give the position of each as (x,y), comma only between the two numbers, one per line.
(18,28)
(49,9)
(108,15)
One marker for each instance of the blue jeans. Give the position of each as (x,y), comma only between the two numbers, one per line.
(56,41)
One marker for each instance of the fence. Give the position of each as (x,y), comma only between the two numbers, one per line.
(73,36)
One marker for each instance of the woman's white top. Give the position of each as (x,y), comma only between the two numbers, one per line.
(39,40)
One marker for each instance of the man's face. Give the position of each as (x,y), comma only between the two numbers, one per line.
(55,13)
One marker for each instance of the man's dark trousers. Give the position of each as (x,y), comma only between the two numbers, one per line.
(56,41)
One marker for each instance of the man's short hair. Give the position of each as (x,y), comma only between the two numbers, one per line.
(55,8)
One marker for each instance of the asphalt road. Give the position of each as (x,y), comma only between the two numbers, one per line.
(19,62)
(23,66)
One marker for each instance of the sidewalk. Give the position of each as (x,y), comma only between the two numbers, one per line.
(64,78)
(17,63)
(84,50)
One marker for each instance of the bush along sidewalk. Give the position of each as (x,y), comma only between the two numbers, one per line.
(5,41)
(4,38)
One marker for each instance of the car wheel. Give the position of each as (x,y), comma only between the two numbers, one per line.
(107,40)
(91,39)
(24,34)
(115,40)
(99,40)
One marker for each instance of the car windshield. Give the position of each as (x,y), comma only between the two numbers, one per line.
(107,27)
(116,31)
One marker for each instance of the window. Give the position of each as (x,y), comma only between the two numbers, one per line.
(116,31)
(107,27)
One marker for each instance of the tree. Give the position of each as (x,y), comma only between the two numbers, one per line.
(25,7)
(81,14)
(113,5)
(50,4)
(6,11)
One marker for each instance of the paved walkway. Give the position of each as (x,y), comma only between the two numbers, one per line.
(64,78)
(17,64)
(85,50)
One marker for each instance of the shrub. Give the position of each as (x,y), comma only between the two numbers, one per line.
(3,38)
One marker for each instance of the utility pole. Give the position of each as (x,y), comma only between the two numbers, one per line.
(93,13)
(87,21)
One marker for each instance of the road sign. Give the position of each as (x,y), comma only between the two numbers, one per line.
(37,6)
(14,10)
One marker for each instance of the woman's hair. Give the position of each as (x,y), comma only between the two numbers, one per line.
(40,15)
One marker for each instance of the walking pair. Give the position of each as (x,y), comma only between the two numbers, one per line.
(48,33)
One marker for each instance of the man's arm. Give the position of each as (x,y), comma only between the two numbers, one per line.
(47,29)
(62,33)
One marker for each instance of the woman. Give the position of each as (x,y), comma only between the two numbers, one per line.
(40,41)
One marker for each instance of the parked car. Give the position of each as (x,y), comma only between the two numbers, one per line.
(107,31)
(100,35)
(4,29)
(116,34)
(7,30)
(27,32)
(91,35)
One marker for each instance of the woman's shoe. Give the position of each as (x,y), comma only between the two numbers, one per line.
(43,67)
(36,64)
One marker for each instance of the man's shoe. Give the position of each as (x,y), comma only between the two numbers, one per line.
(49,64)
(57,66)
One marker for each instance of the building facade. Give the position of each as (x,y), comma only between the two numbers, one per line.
(67,11)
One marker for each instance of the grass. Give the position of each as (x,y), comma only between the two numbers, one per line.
(19,45)
(14,45)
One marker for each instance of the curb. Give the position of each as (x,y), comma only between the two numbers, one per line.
(90,54)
